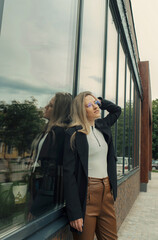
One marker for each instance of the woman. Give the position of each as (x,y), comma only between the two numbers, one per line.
(47,155)
(90,180)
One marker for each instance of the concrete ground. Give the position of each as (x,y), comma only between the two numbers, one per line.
(142,221)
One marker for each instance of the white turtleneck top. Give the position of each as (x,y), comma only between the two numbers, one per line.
(97,158)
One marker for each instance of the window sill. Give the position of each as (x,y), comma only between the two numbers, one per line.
(48,224)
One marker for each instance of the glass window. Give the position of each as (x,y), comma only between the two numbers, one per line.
(136,127)
(131,126)
(138,132)
(37,48)
(1,12)
(111,64)
(120,122)
(128,122)
(127,118)
(92,47)
(1,146)
(37,51)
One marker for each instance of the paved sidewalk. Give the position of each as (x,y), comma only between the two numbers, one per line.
(142,221)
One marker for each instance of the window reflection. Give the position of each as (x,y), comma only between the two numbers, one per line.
(136,127)
(127,120)
(37,56)
(19,124)
(37,48)
(92,48)
(111,64)
(120,122)
(131,126)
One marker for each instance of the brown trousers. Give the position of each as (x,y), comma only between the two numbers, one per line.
(100,213)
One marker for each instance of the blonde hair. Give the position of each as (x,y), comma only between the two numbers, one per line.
(78,115)
(60,115)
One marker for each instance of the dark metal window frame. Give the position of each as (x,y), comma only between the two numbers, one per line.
(78,46)
(129,122)
(124,122)
(105,50)
(1,12)
(117,84)
(133,165)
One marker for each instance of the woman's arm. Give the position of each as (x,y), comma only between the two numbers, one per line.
(73,205)
(113,109)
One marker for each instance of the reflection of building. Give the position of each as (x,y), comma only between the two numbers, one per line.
(8,152)
(71,47)
(12,166)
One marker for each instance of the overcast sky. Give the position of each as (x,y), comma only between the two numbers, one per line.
(145,15)
(30,56)
(37,45)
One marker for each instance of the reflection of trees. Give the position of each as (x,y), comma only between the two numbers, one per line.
(120,126)
(155,129)
(128,128)
(19,124)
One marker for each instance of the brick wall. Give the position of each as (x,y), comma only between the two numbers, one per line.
(63,234)
(127,194)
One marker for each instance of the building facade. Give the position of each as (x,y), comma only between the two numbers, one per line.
(66,46)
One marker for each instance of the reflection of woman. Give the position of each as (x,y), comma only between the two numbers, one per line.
(90,181)
(47,155)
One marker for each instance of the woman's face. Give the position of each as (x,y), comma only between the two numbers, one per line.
(48,109)
(92,108)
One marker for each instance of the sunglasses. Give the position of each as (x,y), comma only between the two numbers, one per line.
(91,104)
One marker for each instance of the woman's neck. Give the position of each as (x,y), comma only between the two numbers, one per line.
(91,123)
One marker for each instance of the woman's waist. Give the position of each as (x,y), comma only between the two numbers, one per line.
(98,180)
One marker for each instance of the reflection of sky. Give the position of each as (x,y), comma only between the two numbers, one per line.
(37,47)
(15,85)
(14,88)
(111,60)
(91,66)
(121,77)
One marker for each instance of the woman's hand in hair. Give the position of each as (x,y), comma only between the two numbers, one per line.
(77,224)
(97,99)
